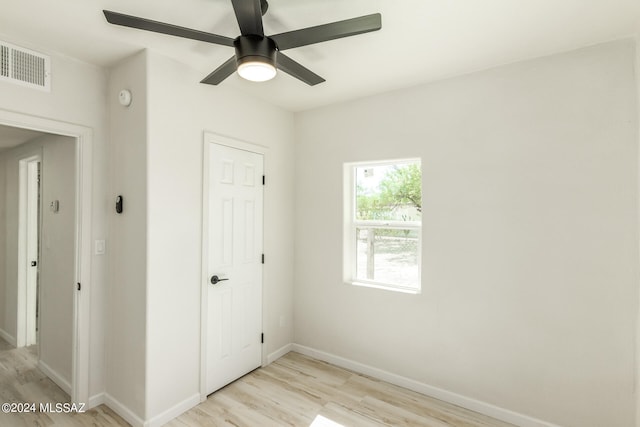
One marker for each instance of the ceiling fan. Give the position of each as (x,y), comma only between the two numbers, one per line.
(257,55)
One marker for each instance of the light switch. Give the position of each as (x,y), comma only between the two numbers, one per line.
(100,247)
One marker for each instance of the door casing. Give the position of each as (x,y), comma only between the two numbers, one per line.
(83,226)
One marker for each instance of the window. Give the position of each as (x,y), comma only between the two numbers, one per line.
(383,224)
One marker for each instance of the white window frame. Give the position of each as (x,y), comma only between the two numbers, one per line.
(351,224)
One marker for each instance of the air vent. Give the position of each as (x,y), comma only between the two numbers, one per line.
(24,67)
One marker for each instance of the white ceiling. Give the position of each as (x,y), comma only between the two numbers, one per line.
(420,40)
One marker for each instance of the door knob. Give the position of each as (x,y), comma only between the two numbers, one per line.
(216,279)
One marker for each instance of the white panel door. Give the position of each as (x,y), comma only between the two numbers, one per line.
(234,303)
(33,259)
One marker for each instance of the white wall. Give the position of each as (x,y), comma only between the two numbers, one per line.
(180,109)
(9,320)
(126,349)
(57,255)
(530,239)
(78,96)
(154,315)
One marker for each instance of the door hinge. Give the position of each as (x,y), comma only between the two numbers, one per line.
(79,286)
(263,258)
(262,179)
(262,338)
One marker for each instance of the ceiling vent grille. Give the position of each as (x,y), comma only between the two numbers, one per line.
(24,67)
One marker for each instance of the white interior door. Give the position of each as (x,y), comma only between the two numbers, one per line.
(33,247)
(234,297)
(28,250)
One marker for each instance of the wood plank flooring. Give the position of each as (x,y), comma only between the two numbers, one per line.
(293,391)
(22,382)
(297,390)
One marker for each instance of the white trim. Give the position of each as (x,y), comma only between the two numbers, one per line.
(96,400)
(84,178)
(386,162)
(63,383)
(204,274)
(428,390)
(123,411)
(636,382)
(401,225)
(173,412)
(8,338)
(82,318)
(272,357)
(376,285)
(229,141)
(348,232)
(215,138)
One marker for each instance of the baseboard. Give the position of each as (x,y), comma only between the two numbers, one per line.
(95,400)
(435,392)
(173,412)
(8,338)
(279,353)
(123,411)
(55,377)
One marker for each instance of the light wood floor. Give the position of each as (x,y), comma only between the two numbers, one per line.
(293,391)
(297,390)
(22,382)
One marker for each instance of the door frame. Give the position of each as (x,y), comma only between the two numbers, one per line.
(82,235)
(25,242)
(215,138)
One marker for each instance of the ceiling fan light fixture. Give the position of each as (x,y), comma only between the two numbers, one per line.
(256,69)
(255,58)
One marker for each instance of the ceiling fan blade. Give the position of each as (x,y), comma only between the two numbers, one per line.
(334,30)
(221,73)
(249,16)
(291,67)
(160,27)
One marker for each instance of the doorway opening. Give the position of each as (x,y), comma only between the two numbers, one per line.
(77,270)
(37,312)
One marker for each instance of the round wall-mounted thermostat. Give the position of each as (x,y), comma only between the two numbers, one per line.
(124,97)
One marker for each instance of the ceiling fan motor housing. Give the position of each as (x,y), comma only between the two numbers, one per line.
(255,48)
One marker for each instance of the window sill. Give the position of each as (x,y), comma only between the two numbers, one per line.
(386,287)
